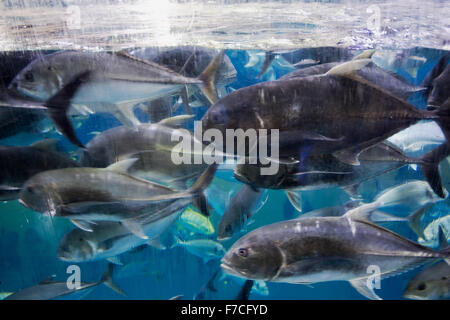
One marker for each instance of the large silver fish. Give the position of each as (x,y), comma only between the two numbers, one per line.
(326,249)
(114,82)
(150,144)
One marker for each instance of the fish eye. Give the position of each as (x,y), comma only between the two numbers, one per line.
(422,287)
(228,228)
(444,278)
(80,239)
(30,190)
(29,76)
(243,252)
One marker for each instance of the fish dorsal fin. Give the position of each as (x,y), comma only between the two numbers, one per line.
(363,212)
(156,243)
(443,242)
(48,280)
(295,198)
(366,54)
(363,288)
(176,121)
(47,144)
(122,166)
(348,68)
(83,225)
(125,54)
(115,260)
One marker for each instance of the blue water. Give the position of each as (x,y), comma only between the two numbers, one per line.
(29,240)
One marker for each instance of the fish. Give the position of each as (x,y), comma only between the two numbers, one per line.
(354,115)
(54,106)
(91,194)
(177,297)
(245,291)
(312,250)
(151,145)
(246,202)
(320,54)
(113,82)
(432,283)
(3,295)
(48,289)
(321,171)
(108,240)
(18,164)
(387,80)
(204,248)
(194,221)
(334,211)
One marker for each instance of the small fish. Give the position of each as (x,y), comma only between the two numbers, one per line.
(3,295)
(433,283)
(196,222)
(208,287)
(203,248)
(326,249)
(48,289)
(246,202)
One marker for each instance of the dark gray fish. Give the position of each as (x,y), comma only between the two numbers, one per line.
(92,194)
(348,116)
(239,210)
(438,68)
(335,211)
(151,145)
(49,289)
(18,164)
(387,80)
(433,283)
(320,171)
(322,249)
(321,54)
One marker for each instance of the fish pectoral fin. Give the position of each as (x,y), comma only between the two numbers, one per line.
(122,165)
(134,227)
(364,288)
(363,213)
(83,225)
(295,198)
(156,243)
(115,260)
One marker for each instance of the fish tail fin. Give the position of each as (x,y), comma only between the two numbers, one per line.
(200,186)
(208,77)
(435,72)
(58,107)
(430,168)
(108,281)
